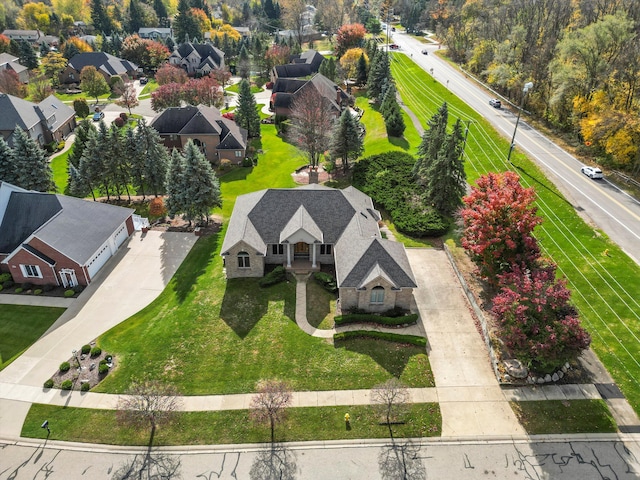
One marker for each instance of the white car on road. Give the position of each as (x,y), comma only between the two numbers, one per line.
(591,172)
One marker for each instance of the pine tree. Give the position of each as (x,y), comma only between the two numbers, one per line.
(99,18)
(244,63)
(203,189)
(394,121)
(116,162)
(184,23)
(93,170)
(82,136)
(247,112)
(8,170)
(361,76)
(346,141)
(155,157)
(328,68)
(378,73)
(161,12)
(135,17)
(433,138)
(176,185)
(389,97)
(133,149)
(27,56)
(77,186)
(445,180)
(32,165)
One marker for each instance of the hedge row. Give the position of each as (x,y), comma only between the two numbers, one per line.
(277,275)
(391,337)
(349,318)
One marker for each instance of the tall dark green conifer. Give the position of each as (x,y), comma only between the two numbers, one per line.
(361,77)
(32,165)
(346,142)
(247,115)
(433,138)
(8,170)
(99,18)
(379,71)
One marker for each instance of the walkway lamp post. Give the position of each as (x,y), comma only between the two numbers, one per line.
(527,86)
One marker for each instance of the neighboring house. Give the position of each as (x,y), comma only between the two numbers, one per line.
(219,138)
(315,225)
(51,239)
(286,90)
(197,58)
(9,62)
(303,65)
(108,65)
(31,36)
(45,122)
(156,33)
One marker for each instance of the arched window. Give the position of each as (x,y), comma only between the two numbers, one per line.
(201,146)
(243,260)
(377,295)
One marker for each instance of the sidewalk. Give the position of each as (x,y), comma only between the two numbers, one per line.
(38,301)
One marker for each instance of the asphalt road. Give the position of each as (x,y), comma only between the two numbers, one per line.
(570,459)
(613,211)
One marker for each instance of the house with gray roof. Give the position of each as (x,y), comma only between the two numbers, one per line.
(9,62)
(197,58)
(155,33)
(221,140)
(51,239)
(45,122)
(286,90)
(314,225)
(108,65)
(302,65)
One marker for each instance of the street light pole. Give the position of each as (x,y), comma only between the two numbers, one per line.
(527,86)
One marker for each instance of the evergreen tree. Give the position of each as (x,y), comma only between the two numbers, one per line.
(8,170)
(176,185)
(378,73)
(244,63)
(93,170)
(82,136)
(116,163)
(247,112)
(99,18)
(155,157)
(76,185)
(161,12)
(389,97)
(347,141)
(203,190)
(328,68)
(28,56)
(394,121)
(133,150)
(432,141)
(135,17)
(32,165)
(184,23)
(361,76)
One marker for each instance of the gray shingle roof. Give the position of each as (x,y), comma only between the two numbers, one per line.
(53,107)
(293,70)
(102,61)
(17,112)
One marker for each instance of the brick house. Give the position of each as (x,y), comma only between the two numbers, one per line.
(302,65)
(286,90)
(197,58)
(50,239)
(219,138)
(108,65)
(314,225)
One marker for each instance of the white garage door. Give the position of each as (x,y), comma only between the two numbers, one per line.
(121,235)
(98,261)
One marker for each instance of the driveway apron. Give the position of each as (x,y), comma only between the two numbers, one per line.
(471,400)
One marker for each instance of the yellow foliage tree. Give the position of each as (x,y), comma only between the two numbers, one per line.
(34,16)
(81,45)
(199,15)
(349,61)
(231,32)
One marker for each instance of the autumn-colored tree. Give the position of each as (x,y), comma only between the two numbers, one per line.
(499,218)
(128,97)
(34,16)
(155,55)
(312,122)
(73,46)
(537,323)
(40,88)
(167,95)
(222,75)
(201,19)
(52,65)
(349,61)
(225,29)
(168,73)
(148,54)
(11,84)
(4,43)
(276,55)
(205,91)
(349,36)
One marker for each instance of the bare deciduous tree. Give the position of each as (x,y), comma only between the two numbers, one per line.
(391,399)
(271,402)
(128,96)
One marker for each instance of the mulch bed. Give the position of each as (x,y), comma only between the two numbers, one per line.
(87,370)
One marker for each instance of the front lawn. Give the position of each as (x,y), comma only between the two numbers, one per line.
(551,417)
(207,335)
(21,326)
(604,280)
(235,88)
(321,305)
(229,427)
(59,166)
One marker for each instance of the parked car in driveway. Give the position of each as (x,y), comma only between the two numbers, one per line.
(592,172)
(495,103)
(143,80)
(98,116)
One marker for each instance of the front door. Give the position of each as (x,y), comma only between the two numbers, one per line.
(68,277)
(301,250)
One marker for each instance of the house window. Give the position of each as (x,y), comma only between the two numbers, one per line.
(72,76)
(377,295)
(243,260)
(32,271)
(277,249)
(325,249)
(238,153)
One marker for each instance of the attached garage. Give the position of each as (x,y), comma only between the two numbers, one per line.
(98,261)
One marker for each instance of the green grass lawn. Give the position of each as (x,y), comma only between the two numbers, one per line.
(562,416)
(321,305)
(225,427)
(605,286)
(59,166)
(149,88)
(235,88)
(20,326)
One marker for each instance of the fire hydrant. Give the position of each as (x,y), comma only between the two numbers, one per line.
(347,417)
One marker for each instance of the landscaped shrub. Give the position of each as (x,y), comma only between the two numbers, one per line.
(66,385)
(371,318)
(157,208)
(85,386)
(119,122)
(81,107)
(18,290)
(95,351)
(48,383)
(69,293)
(65,366)
(419,221)
(4,277)
(27,286)
(123,116)
(37,291)
(395,312)
(1,287)
(103,368)
(327,281)
(48,287)
(8,283)
(391,337)
(277,275)
(78,288)
(85,349)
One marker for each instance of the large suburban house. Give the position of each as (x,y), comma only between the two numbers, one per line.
(108,65)
(317,225)
(51,239)
(9,62)
(155,33)
(286,90)
(219,138)
(197,58)
(45,122)
(302,65)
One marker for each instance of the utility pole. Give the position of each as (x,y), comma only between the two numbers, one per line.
(527,86)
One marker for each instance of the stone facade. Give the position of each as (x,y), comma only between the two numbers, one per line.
(361,298)
(232,262)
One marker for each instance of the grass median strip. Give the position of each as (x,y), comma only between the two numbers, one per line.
(225,427)
(564,416)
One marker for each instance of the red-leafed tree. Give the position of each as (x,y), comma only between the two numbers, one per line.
(155,54)
(4,43)
(11,84)
(499,219)
(168,95)
(167,73)
(276,55)
(128,97)
(148,54)
(222,75)
(538,324)
(349,36)
(205,91)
